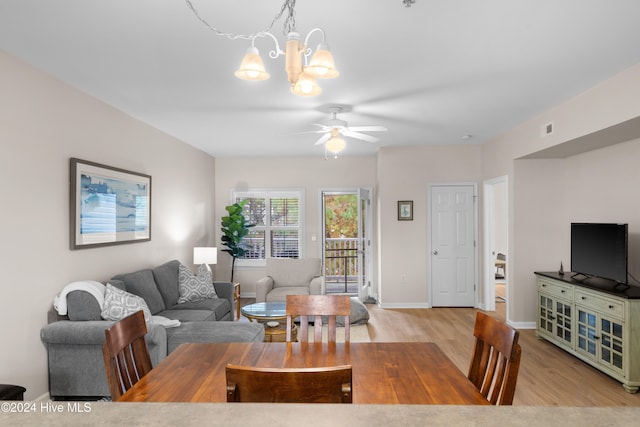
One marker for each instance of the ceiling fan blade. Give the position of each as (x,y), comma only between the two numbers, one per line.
(323,139)
(368,128)
(361,136)
(309,131)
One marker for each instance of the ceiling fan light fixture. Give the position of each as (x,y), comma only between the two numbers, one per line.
(252,67)
(335,144)
(307,85)
(322,65)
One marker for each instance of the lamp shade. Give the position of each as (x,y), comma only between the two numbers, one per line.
(205,255)
(335,144)
(306,85)
(252,67)
(322,65)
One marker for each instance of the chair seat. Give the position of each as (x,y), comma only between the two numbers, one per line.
(11,392)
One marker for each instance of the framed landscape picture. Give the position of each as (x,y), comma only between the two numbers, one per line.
(108,205)
(405,210)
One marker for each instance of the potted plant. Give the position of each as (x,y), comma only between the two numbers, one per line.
(234,230)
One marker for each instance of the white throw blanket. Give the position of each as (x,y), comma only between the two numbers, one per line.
(96,289)
(164,321)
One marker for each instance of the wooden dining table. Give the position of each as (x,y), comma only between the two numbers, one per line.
(383,373)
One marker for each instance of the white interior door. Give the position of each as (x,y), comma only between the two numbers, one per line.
(453,248)
(364,244)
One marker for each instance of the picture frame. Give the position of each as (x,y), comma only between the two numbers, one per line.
(108,205)
(405,210)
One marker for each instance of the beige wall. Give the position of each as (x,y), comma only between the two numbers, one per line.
(545,195)
(405,174)
(602,186)
(312,174)
(42,124)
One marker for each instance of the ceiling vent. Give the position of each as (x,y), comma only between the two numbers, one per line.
(547,129)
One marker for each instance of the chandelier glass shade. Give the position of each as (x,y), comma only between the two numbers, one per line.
(252,67)
(322,65)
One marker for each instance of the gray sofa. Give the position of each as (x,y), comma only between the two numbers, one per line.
(74,342)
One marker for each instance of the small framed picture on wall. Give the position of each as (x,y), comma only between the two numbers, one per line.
(405,210)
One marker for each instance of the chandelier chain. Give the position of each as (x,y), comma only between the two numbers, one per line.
(289,23)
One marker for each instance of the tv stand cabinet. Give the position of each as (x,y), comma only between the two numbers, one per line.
(595,320)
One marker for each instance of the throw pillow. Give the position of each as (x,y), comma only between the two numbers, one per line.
(195,287)
(119,304)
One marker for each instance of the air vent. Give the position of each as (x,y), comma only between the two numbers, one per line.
(547,129)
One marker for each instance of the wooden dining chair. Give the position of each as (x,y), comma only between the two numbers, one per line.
(496,360)
(289,385)
(317,306)
(126,356)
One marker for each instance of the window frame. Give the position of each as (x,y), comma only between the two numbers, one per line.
(268,194)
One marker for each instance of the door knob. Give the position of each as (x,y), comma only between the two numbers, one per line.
(435,252)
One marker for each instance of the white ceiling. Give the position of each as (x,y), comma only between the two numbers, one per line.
(430,73)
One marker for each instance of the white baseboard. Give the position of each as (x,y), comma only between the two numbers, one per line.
(43,398)
(403,305)
(522,325)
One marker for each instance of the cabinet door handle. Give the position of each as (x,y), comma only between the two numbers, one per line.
(583,298)
(544,285)
(612,307)
(563,291)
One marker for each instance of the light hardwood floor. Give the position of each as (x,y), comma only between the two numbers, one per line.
(548,376)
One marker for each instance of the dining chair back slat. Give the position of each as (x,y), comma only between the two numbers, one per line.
(496,360)
(306,306)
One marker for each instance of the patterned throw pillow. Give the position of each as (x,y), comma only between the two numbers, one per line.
(195,287)
(119,304)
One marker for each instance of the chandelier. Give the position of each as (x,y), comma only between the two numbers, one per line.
(302,76)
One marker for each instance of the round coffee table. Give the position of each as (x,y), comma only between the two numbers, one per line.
(273,315)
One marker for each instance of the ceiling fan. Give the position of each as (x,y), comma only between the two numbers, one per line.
(334,127)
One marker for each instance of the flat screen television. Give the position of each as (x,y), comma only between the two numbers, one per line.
(600,250)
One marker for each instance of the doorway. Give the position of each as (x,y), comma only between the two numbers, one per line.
(453,245)
(346,242)
(496,243)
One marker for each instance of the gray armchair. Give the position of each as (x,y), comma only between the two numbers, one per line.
(287,276)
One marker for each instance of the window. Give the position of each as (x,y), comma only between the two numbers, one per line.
(278,231)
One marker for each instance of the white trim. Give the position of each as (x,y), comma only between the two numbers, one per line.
(489,288)
(373,288)
(394,305)
(522,325)
(43,398)
(262,191)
